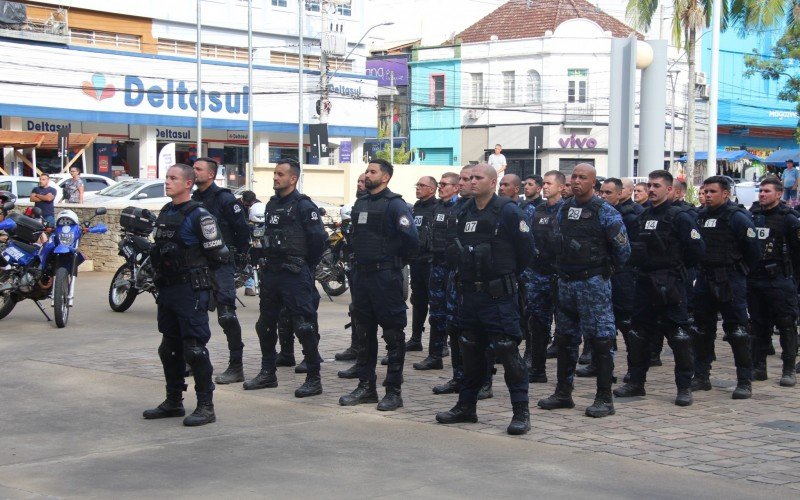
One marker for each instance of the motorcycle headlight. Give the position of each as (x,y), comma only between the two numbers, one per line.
(66,236)
(258,232)
(64,221)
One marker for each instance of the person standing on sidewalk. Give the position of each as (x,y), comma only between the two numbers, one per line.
(42,197)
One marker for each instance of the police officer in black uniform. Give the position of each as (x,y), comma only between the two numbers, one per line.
(384,237)
(493,247)
(771,284)
(668,242)
(188,245)
(732,249)
(230,216)
(294,240)
(421,269)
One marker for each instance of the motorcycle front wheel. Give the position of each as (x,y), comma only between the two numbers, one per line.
(61,286)
(7,303)
(121,292)
(336,284)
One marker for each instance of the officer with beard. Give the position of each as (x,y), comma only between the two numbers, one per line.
(293,241)
(593,239)
(771,284)
(188,245)
(493,246)
(732,249)
(668,243)
(384,238)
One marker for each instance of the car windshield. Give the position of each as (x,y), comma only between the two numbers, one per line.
(122,189)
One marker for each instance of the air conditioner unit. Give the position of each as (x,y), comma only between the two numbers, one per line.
(473,114)
(334,44)
(702,91)
(700,78)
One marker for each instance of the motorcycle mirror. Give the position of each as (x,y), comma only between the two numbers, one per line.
(8,206)
(100,211)
(323,212)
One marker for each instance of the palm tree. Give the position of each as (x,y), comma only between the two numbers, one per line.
(689,17)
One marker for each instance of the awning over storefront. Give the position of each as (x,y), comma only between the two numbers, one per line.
(725,156)
(20,141)
(780,156)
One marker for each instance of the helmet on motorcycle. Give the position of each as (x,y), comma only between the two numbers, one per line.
(257,212)
(6,196)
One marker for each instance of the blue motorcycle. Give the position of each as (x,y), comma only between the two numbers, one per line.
(36,268)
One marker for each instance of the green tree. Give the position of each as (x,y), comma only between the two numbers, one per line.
(688,18)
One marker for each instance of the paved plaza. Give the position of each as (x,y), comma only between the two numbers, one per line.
(71,426)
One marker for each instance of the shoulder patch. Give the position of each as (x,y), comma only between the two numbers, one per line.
(694,234)
(209,227)
(237,208)
(523,227)
(621,238)
(751,233)
(404,221)
(314,215)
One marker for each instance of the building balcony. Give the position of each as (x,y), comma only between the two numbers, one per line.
(37,23)
(578,114)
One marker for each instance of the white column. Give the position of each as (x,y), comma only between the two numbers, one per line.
(148,154)
(260,150)
(9,159)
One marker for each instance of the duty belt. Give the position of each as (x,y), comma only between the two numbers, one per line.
(585,274)
(173,279)
(379,266)
(506,285)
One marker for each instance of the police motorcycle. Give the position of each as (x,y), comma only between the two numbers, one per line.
(136,274)
(35,271)
(333,270)
(257,225)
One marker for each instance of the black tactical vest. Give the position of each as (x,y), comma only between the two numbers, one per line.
(370,239)
(547,246)
(214,206)
(172,255)
(722,247)
(771,232)
(284,235)
(423,218)
(629,218)
(658,233)
(486,253)
(443,225)
(583,241)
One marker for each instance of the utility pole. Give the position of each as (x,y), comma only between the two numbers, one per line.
(199,89)
(673,76)
(711,164)
(300,14)
(324,106)
(391,118)
(249,173)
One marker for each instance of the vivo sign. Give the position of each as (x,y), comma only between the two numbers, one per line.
(573,142)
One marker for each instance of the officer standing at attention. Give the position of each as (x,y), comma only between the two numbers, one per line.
(420,268)
(384,238)
(622,279)
(493,247)
(230,216)
(294,240)
(510,186)
(541,274)
(532,189)
(668,242)
(593,239)
(771,285)
(732,249)
(442,225)
(452,325)
(188,245)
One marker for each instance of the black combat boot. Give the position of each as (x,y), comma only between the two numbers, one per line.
(303,366)
(285,359)
(586,371)
(629,390)
(392,400)
(202,415)
(461,412)
(760,370)
(348,354)
(655,359)
(684,397)
(521,421)
(486,391)
(788,356)
(744,390)
(452,386)
(586,356)
(234,373)
(429,363)
(385,361)
(700,382)
(552,351)
(171,407)
(351,372)
(311,387)
(562,398)
(415,342)
(603,405)
(265,379)
(364,393)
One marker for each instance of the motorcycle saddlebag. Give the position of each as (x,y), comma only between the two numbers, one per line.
(136,220)
(28,229)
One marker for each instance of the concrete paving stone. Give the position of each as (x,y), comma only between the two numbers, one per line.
(768,480)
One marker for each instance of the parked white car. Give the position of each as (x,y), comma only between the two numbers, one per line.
(136,192)
(91,183)
(22,186)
